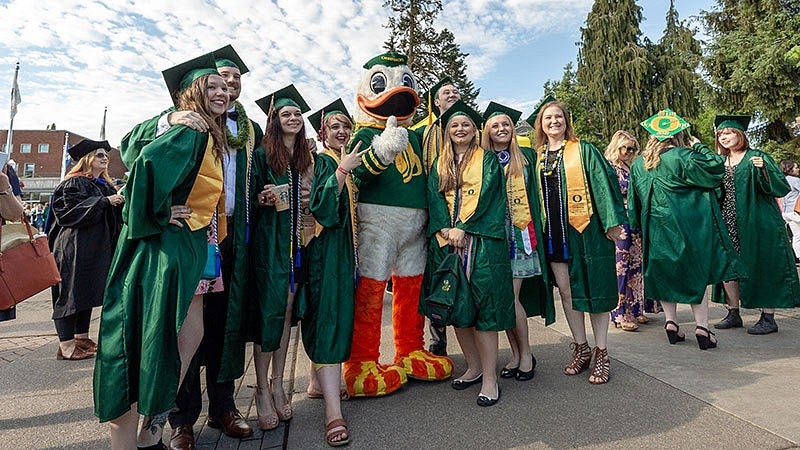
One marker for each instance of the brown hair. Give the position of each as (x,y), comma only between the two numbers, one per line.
(618,140)
(654,149)
(195,98)
(518,161)
(787,167)
(277,155)
(451,175)
(744,143)
(540,138)
(84,167)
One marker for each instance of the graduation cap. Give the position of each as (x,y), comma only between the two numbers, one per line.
(665,124)
(181,76)
(287,96)
(460,108)
(532,118)
(731,121)
(496,108)
(388,59)
(85,147)
(227,57)
(431,93)
(335,107)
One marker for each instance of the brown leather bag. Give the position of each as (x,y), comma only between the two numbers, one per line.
(26,268)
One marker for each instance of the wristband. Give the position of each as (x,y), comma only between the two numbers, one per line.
(346,172)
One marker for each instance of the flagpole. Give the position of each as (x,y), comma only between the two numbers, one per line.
(103,127)
(64,156)
(15,100)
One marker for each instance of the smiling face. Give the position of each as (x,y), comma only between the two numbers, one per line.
(233,78)
(500,130)
(554,123)
(337,131)
(446,96)
(217,95)
(461,130)
(729,138)
(99,161)
(291,119)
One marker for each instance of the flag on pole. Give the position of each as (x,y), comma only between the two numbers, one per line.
(16,99)
(103,126)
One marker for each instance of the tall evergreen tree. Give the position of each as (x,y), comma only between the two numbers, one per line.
(431,54)
(749,62)
(569,92)
(613,67)
(675,59)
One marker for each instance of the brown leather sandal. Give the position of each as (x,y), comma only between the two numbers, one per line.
(337,428)
(602,367)
(581,357)
(77,355)
(86,344)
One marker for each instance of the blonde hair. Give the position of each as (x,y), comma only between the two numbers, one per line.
(517,162)
(195,98)
(654,149)
(84,167)
(540,138)
(618,140)
(744,143)
(341,117)
(451,174)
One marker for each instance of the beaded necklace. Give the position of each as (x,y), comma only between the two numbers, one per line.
(557,173)
(549,170)
(296,222)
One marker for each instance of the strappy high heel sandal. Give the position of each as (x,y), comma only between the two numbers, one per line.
(673,335)
(285,412)
(269,421)
(704,341)
(602,367)
(581,357)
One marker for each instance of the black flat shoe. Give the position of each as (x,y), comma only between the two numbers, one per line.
(485,400)
(704,341)
(509,373)
(673,335)
(459,384)
(525,376)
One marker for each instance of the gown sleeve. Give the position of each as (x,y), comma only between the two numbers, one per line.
(78,204)
(329,207)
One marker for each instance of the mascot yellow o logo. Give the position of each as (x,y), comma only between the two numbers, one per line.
(661,124)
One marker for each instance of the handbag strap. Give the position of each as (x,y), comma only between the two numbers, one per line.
(27,227)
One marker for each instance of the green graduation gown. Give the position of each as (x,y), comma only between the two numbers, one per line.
(592,257)
(153,277)
(764,246)
(327,321)
(684,241)
(490,277)
(536,294)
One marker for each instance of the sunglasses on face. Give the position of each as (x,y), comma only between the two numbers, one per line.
(627,149)
(101,155)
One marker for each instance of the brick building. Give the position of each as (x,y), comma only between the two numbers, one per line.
(38,154)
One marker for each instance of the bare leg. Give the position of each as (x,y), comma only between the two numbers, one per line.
(524,359)
(700,311)
(123,430)
(469,347)
(329,377)
(265,410)
(671,314)
(575,319)
(189,337)
(279,359)
(600,323)
(487,351)
(731,289)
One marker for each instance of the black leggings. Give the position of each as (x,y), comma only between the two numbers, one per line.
(68,327)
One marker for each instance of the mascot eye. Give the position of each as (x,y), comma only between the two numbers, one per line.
(378,83)
(408,80)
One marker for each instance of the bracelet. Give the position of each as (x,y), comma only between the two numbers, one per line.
(346,172)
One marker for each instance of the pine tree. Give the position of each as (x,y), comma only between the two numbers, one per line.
(613,68)
(675,60)
(431,54)
(750,63)
(569,92)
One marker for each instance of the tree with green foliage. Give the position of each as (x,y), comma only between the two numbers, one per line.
(613,68)
(569,92)
(431,54)
(750,63)
(675,59)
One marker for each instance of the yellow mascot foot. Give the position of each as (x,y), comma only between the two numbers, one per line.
(370,379)
(424,365)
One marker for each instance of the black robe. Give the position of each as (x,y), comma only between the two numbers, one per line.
(82,238)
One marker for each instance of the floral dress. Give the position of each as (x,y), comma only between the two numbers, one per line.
(632,302)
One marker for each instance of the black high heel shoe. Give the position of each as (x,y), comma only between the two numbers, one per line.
(525,376)
(673,335)
(704,341)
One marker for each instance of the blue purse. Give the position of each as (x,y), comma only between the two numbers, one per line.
(213,267)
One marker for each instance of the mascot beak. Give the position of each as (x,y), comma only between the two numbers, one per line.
(401,102)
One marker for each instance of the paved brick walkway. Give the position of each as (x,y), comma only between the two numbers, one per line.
(14,348)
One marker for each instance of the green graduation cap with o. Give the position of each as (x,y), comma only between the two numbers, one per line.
(665,124)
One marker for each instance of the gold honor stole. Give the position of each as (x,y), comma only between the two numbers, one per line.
(431,143)
(207,194)
(407,163)
(472,181)
(520,209)
(579,203)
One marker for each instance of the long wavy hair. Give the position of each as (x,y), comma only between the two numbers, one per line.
(540,138)
(517,162)
(84,168)
(195,98)
(451,175)
(278,155)
(620,139)
(744,143)
(654,148)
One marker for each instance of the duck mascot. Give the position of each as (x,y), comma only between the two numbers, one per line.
(392,215)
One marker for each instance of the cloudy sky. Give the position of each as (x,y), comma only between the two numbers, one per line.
(79,56)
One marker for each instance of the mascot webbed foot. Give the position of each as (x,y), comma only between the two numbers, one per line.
(370,379)
(424,365)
